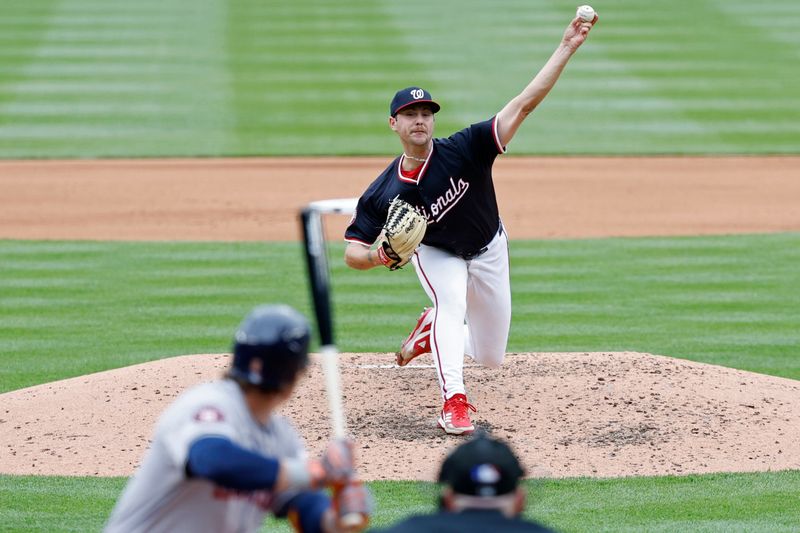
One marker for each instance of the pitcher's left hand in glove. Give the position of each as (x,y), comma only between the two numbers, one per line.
(403,231)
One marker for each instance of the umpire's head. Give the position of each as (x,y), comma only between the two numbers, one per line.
(482,473)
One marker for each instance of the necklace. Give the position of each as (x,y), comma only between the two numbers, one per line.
(420,159)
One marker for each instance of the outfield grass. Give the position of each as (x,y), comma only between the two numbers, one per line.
(71,308)
(87,78)
(768,502)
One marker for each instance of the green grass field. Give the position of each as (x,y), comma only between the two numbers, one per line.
(92,78)
(718,503)
(71,308)
(87,78)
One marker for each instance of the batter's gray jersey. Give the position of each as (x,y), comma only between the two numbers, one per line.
(159,496)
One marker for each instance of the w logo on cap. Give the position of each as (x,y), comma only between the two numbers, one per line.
(411,96)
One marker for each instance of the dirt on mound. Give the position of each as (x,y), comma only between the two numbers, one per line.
(566,414)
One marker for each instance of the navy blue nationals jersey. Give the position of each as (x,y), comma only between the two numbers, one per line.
(453,189)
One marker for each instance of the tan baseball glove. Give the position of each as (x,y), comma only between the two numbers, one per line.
(403,231)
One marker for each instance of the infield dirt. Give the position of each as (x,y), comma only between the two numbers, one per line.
(570,414)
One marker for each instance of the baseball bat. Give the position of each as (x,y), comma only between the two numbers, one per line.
(319,277)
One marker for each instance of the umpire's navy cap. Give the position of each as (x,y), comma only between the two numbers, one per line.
(411,96)
(482,466)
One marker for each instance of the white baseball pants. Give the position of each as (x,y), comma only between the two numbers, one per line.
(472,308)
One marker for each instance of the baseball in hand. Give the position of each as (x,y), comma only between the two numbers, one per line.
(586,13)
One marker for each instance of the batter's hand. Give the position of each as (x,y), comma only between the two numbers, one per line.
(353,504)
(336,466)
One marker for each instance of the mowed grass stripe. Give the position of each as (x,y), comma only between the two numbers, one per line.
(321,76)
(777,19)
(735,296)
(757,502)
(681,62)
(161,44)
(716,502)
(712,299)
(731,53)
(30,18)
(249,77)
(595,77)
(131,302)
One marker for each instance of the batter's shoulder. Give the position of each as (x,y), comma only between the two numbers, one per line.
(286,436)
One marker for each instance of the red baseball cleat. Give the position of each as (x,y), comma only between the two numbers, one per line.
(455,416)
(419,341)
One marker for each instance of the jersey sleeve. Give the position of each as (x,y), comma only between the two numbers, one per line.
(290,446)
(186,424)
(367,221)
(480,142)
(305,511)
(229,465)
(291,443)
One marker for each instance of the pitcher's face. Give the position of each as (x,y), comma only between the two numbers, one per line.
(414,125)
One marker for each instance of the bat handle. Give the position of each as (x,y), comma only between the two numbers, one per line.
(353,521)
(330,367)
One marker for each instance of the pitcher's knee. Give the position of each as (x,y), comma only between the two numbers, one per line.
(490,359)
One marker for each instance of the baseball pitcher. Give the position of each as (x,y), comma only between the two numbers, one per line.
(461,259)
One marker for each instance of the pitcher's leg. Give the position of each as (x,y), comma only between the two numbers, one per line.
(489,304)
(444,278)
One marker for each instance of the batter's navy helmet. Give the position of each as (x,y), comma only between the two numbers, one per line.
(270,347)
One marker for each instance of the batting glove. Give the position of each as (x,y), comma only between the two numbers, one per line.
(336,466)
(354,505)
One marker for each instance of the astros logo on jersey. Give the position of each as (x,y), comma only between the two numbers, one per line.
(209,414)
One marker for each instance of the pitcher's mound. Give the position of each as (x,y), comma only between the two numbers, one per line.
(566,414)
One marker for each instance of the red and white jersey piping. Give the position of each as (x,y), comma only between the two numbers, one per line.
(500,148)
(416,180)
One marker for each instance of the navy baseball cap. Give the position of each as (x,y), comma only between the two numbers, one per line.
(482,466)
(411,96)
